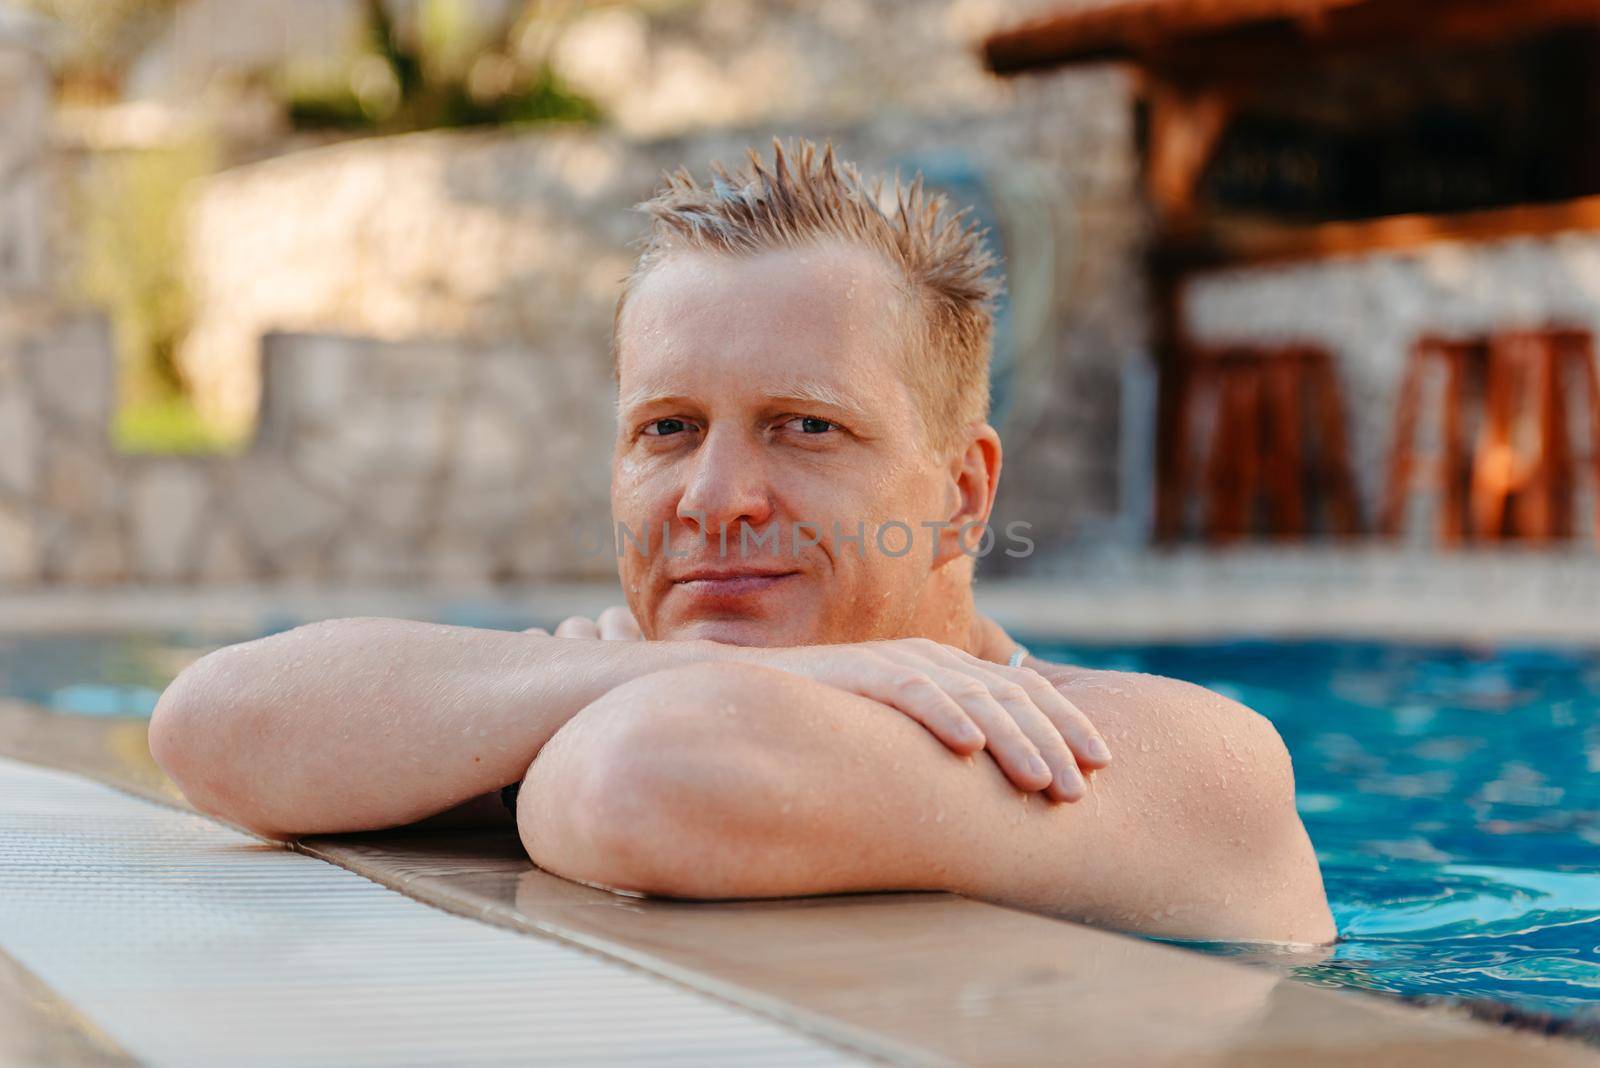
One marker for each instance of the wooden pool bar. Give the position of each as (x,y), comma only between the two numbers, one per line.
(1277,132)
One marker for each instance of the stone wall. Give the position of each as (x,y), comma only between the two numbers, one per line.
(404,463)
(59,490)
(523,239)
(24,131)
(1368,310)
(417,328)
(671,68)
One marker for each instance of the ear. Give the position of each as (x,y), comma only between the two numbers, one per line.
(974,476)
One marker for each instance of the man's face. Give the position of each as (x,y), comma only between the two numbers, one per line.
(757,393)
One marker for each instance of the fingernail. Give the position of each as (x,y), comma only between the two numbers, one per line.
(969,734)
(1098,750)
(1037,765)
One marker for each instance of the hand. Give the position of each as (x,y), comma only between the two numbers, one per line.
(615,624)
(1039,739)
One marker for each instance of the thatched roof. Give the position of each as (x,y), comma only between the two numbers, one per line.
(1082,31)
(1087,30)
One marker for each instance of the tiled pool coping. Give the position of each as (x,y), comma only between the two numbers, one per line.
(1522,595)
(37,1027)
(193,944)
(1365,592)
(907,978)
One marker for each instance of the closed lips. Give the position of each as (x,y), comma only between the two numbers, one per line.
(727,576)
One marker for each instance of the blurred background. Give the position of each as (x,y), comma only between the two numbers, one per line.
(317,293)
(305,310)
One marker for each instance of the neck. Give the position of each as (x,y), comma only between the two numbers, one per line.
(949,615)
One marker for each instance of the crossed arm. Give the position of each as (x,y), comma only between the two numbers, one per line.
(733,780)
(695,770)
(360,724)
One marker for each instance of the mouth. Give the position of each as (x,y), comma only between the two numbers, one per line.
(731,583)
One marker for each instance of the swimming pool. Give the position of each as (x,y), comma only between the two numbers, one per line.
(1451,794)
(1453,800)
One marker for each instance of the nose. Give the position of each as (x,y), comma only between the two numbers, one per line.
(727,485)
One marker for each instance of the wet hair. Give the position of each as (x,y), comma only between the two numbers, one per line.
(807,196)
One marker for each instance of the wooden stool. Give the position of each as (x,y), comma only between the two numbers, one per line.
(1450,471)
(1517,480)
(1262,461)
(1522,483)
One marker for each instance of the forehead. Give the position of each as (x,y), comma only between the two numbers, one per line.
(832,312)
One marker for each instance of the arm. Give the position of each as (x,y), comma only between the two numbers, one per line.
(357,724)
(722,781)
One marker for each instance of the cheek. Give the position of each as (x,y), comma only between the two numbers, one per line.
(632,510)
(641,490)
(866,500)
(626,474)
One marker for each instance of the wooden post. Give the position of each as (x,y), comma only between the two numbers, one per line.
(1583,350)
(1286,381)
(1402,458)
(1454,462)
(1336,482)
(1184,125)
(1494,464)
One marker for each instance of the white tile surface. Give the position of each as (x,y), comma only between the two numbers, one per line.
(192,944)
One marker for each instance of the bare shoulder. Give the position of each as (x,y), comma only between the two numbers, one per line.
(1152,713)
(1206,787)
(1189,744)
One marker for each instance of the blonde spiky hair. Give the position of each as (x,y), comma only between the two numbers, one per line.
(806,196)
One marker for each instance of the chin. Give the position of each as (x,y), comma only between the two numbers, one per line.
(749,632)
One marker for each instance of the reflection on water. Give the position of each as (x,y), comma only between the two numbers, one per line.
(1452,797)
(96,675)
(1451,793)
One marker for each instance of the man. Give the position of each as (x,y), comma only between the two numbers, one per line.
(801,478)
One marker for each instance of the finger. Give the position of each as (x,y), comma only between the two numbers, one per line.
(617,625)
(1088,747)
(914,694)
(1066,780)
(1012,747)
(1084,739)
(1033,738)
(540,631)
(577,627)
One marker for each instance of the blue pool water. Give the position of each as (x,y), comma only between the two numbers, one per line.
(1453,799)
(1452,795)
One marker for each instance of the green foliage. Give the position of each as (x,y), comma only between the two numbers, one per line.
(325,106)
(338,107)
(547,100)
(445,70)
(133,267)
(168,424)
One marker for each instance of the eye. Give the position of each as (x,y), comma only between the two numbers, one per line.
(664,427)
(808,424)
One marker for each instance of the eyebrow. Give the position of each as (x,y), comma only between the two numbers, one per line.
(802,391)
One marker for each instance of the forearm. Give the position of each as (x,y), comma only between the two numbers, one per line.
(357,724)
